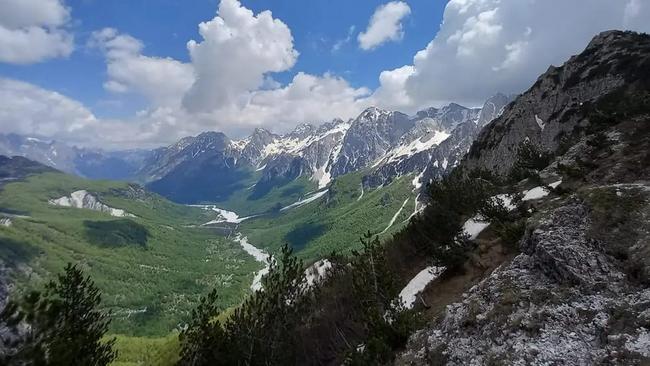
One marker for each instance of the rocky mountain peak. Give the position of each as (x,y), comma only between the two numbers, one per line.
(372,114)
(563,101)
(493,108)
(211,139)
(302,130)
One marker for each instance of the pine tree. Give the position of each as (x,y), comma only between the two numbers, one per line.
(376,291)
(61,326)
(203,340)
(262,331)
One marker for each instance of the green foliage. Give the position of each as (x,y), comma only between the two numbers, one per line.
(376,292)
(530,160)
(203,341)
(150,288)
(64,325)
(335,222)
(136,351)
(246,203)
(438,230)
(116,233)
(262,331)
(509,225)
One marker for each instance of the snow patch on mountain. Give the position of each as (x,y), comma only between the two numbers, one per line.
(223,215)
(474,226)
(416,146)
(417,181)
(360,195)
(417,284)
(305,201)
(317,272)
(539,192)
(392,221)
(540,123)
(83,199)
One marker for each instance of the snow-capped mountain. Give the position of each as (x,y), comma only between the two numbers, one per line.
(84,162)
(52,153)
(436,144)
(388,144)
(210,166)
(306,150)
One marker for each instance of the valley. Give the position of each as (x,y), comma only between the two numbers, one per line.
(151,266)
(206,212)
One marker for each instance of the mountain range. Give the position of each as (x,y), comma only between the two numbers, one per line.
(210,167)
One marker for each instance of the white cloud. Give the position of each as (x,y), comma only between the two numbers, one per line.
(163,81)
(486,46)
(392,93)
(385,25)
(238,49)
(306,98)
(33,30)
(28,109)
(342,42)
(483,46)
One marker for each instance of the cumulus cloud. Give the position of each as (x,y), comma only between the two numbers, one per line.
(483,46)
(33,31)
(392,91)
(238,49)
(306,98)
(28,109)
(385,25)
(163,81)
(487,46)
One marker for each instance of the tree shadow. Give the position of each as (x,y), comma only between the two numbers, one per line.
(14,252)
(299,237)
(116,233)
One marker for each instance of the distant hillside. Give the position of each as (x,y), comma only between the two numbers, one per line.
(149,257)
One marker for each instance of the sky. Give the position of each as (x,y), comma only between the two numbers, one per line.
(142,73)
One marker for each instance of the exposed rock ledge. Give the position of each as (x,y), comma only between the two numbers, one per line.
(563,301)
(83,199)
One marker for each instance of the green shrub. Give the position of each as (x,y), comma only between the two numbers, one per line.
(376,293)
(262,331)
(530,160)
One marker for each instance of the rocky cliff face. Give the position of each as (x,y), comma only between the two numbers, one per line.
(555,108)
(436,144)
(206,146)
(564,300)
(370,137)
(578,292)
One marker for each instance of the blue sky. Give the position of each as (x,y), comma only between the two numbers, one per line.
(121,73)
(165,27)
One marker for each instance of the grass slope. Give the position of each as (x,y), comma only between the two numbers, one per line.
(151,268)
(246,202)
(336,221)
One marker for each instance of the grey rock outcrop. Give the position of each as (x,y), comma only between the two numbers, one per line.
(555,106)
(436,160)
(370,136)
(562,301)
